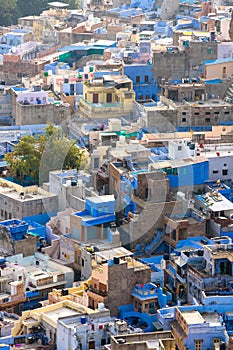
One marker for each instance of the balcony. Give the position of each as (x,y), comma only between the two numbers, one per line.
(8,300)
(102,293)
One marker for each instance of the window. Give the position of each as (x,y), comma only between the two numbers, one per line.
(95,98)
(215,171)
(82,262)
(137,79)
(215,341)
(224,72)
(1,213)
(196,113)
(216,112)
(224,172)
(179,148)
(207,120)
(227,112)
(146,78)
(183,121)
(207,113)
(103,341)
(183,113)
(147,97)
(198,344)
(109,98)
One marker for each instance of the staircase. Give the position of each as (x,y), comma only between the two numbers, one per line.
(229,94)
(154,243)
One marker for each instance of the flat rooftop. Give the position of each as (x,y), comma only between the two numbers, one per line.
(102,199)
(115,252)
(193,317)
(54,315)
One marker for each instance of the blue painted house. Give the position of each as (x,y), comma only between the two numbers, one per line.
(184,172)
(147,299)
(93,223)
(144,84)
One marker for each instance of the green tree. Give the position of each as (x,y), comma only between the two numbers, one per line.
(37,156)
(7,10)
(30,7)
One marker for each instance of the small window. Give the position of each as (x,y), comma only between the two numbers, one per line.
(216,112)
(82,262)
(224,70)
(207,113)
(103,341)
(216,341)
(227,112)
(146,78)
(183,113)
(196,113)
(183,120)
(95,98)
(137,79)
(147,97)
(109,98)
(224,172)
(179,148)
(215,171)
(207,120)
(198,344)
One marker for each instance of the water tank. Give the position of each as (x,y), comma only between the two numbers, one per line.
(200,252)
(68,183)
(101,306)
(116,260)
(122,139)
(166,257)
(110,262)
(73,183)
(2,260)
(83,319)
(180,195)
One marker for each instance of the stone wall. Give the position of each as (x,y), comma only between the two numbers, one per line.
(121,282)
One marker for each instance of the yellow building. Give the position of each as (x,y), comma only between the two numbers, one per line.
(75,294)
(47,318)
(110,96)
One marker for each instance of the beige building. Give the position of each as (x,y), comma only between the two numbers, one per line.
(143,341)
(107,97)
(218,69)
(37,107)
(18,201)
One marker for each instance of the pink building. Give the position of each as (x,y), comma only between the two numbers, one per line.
(225,50)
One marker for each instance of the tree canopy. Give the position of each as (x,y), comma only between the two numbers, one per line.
(11,10)
(36,156)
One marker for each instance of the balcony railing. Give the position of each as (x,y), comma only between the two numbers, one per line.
(103,293)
